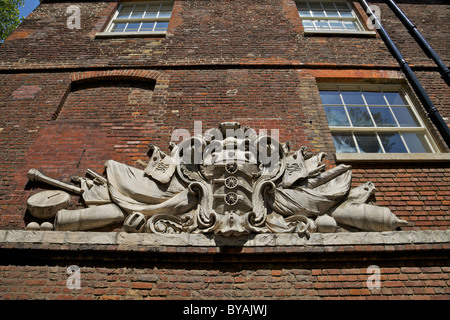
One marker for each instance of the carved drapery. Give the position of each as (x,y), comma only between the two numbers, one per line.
(230,181)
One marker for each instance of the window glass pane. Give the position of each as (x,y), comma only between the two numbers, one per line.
(308,24)
(342,6)
(336,25)
(165,13)
(317,10)
(161,26)
(383,117)
(368,143)
(346,109)
(351,25)
(337,117)
(394,98)
(124,13)
(303,9)
(138,11)
(332,14)
(346,14)
(392,143)
(416,143)
(405,117)
(328,6)
(141,10)
(118,27)
(330,10)
(166,5)
(302,5)
(322,24)
(352,97)
(374,98)
(133,27)
(344,10)
(305,13)
(147,26)
(152,11)
(344,143)
(330,97)
(360,117)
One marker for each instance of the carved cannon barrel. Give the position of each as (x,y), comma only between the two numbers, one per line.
(367,217)
(36,175)
(89,218)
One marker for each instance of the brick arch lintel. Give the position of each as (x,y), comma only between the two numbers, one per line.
(136,74)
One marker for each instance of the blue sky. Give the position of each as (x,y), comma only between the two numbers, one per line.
(30,5)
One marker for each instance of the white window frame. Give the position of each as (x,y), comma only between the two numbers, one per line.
(376,129)
(109,33)
(361,29)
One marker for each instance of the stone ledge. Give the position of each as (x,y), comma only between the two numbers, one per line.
(134,241)
(391,157)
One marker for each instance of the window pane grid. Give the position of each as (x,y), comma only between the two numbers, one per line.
(373,111)
(328,16)
(380,121)
(142,17)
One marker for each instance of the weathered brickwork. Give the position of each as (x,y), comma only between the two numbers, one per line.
(204,273)
(428,16)
(98,117)
(229,282)
(71,100)
(201,32)
(418,194)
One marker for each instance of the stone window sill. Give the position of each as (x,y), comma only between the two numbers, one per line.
(129,34)
(392,157)
(340,33)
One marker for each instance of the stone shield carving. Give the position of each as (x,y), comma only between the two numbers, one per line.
(229,181)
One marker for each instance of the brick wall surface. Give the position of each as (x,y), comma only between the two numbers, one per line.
(218,32)
(275,281)
(229,274)
(70,125)
(428,16)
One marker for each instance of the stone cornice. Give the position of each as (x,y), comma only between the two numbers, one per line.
(134,241)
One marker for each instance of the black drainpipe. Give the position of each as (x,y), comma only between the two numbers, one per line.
(432,112)
(412,29)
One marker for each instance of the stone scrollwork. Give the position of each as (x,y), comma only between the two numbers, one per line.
(230,181)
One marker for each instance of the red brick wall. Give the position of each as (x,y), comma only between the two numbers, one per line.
(417,272)
(417,193)
(200,32)
(206,282)
(428,16)
(65,129)
(70,101)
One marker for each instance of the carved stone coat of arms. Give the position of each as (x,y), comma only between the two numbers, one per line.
(229,181)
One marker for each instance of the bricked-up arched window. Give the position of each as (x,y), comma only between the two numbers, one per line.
(374,119)
(335,16)
(141,18)
(115,100)
(103,118)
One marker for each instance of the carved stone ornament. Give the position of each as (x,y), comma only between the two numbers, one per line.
(230,181)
